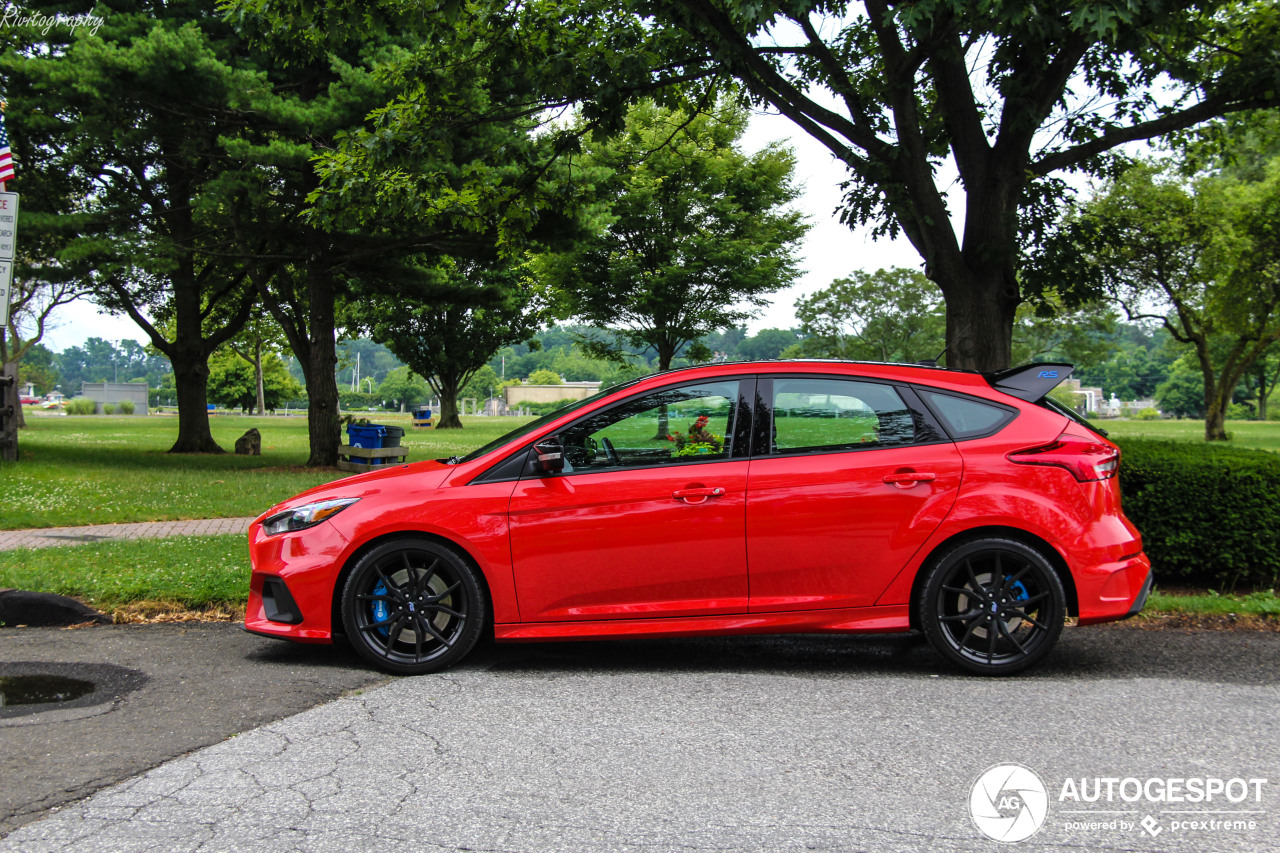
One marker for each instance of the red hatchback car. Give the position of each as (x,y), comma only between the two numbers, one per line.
(774,497)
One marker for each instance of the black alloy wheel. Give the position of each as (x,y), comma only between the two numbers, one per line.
(992,606)
(413,606)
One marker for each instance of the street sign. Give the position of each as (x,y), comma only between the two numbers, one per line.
(6,281)
(8,224)
(8,241)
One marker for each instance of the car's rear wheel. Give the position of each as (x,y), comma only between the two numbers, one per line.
(992,606)
(412,606)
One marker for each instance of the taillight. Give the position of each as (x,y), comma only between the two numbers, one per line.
(1086,457)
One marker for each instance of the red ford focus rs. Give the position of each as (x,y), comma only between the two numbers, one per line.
(770,497)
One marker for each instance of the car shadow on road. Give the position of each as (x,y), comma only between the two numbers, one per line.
(1086,653)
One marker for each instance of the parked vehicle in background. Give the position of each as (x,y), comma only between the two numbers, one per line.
(768,497)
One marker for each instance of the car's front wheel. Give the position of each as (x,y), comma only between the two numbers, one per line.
(992,606)
(412,606)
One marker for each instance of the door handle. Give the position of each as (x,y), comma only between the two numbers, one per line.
(698,495)
(907,479)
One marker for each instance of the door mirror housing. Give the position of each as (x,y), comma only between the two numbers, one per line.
(547,456)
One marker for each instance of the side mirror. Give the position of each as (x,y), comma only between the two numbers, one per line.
(547,456)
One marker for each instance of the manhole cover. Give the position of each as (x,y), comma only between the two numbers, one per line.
(41,692)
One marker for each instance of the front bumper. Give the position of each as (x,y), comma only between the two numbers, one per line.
(292,586)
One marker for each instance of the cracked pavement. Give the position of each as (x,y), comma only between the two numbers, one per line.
(757,743)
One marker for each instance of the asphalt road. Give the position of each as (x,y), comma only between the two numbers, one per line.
(725,744)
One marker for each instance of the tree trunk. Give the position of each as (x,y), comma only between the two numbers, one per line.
(257,370)
(322,383)
(1215,427)
(191,376)
(980,313)
(1217,398)
(666,354)
(448,410)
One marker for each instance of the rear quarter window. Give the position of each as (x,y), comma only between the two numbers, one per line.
(967,417)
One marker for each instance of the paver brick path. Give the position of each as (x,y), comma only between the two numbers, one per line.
(47,537)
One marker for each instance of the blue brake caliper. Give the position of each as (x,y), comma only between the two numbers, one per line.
(380,609)
(1020,592)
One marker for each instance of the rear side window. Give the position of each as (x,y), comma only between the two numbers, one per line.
(968,417)
(814,415)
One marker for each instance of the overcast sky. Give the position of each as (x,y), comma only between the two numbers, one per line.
(829,251)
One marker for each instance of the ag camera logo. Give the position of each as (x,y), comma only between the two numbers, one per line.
(1008,803)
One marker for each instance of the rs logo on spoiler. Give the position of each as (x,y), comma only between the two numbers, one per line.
(1048,374)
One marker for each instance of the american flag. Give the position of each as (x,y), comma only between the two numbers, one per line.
(6,156)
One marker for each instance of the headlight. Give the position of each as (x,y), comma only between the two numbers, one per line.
(307,515)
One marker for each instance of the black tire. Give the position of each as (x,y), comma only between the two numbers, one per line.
(412,606)
(992,606)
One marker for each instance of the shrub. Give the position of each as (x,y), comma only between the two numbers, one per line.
(1207,513)
(126,407)
(81,406)
(1148,414)
(544,408)
(108,409)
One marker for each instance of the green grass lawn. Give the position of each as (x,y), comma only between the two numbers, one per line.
(100,469)
(1259,435)
(192,572)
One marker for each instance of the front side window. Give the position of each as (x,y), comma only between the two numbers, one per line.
(825,415)
(692,423)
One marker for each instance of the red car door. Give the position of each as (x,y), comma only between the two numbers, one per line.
(646,520)
(849,487)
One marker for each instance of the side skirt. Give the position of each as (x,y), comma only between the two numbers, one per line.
(855,620)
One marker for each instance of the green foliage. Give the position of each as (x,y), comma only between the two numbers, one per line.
(108,408)
(403,388)
(38,366)
(1201,257)
(888,315)
(98,360)
(126,407)
(1148,414)
(233,381)
(766,344)
(696,234)
(448,342)
(80,406)
(545,377)
(483,383)
(1009,95)
(544,408)
(1208,513)
(1182,394)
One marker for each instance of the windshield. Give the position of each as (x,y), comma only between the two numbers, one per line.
(537,423)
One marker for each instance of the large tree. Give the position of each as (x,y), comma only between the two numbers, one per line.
(448,342)
(1202,258)
(887,315)
(1008,97)
(136,116)
(369,157)
(696,235)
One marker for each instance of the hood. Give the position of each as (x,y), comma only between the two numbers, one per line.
(417,476)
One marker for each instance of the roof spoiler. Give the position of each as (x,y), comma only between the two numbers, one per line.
(1031,382)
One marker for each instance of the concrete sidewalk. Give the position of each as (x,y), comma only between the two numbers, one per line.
(48,537)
